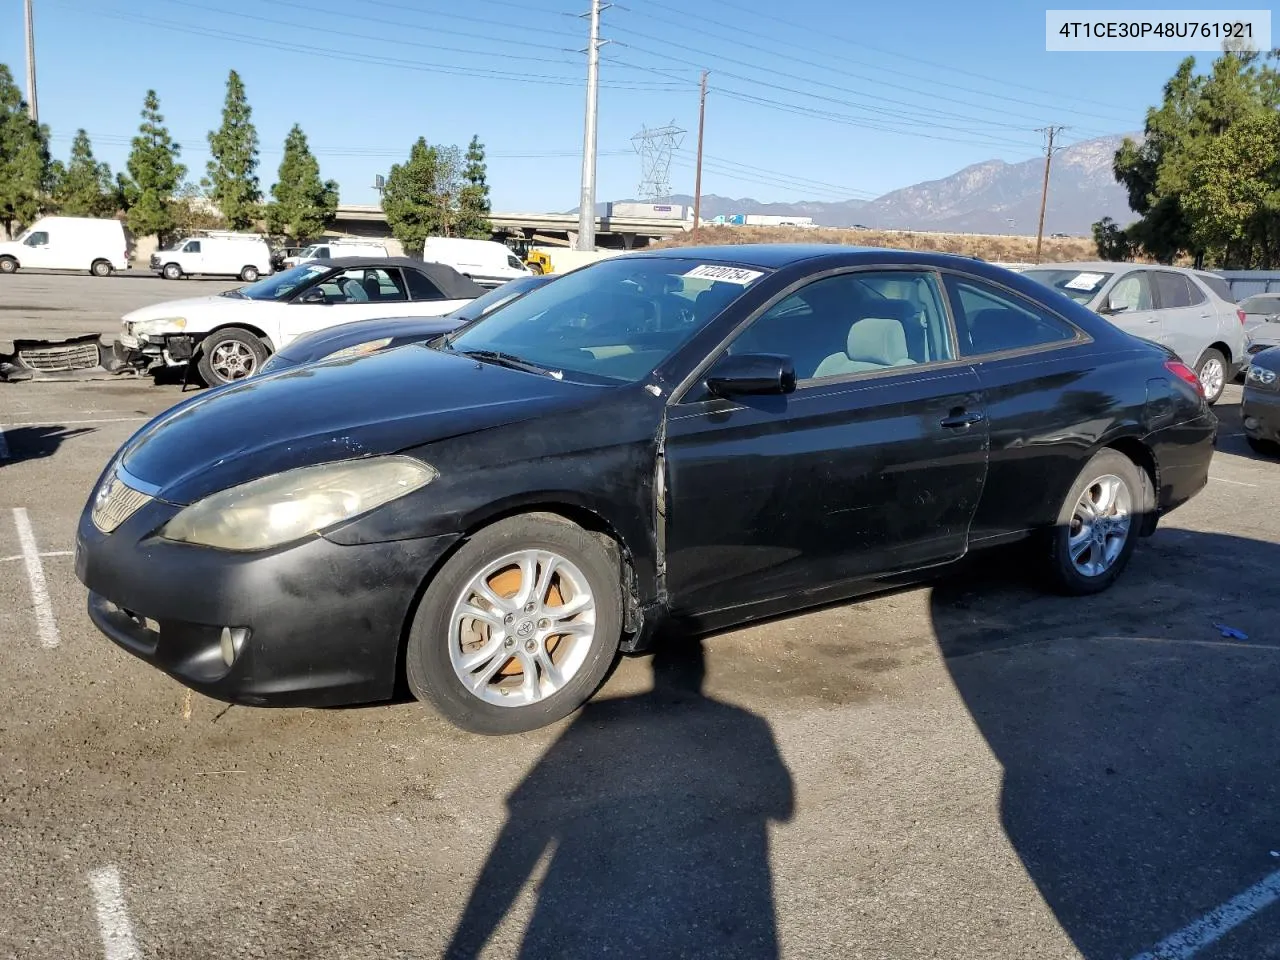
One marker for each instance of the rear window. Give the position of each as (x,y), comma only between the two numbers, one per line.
(1080,285)
(1261,305)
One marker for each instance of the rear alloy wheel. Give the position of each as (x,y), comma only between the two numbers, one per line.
(1098,524)
(172,271)
(101,268)
(8,265)
(230,355)
(249,274)
(1212,372)
(519,627)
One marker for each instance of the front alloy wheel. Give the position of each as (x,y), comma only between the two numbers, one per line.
(519,627)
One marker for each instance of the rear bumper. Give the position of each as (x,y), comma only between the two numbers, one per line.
(1183,453)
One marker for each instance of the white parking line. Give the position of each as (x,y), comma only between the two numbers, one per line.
(113,916)
(46,626)
(1234,483)
(1217,923)
(43,553)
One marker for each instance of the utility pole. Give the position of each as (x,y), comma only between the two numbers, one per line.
(1050,133)
(697,182)
(32,107)
(587,202)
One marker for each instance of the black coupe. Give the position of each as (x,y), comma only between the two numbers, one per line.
(702,436)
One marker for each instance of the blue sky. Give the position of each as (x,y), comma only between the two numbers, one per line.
(812,99)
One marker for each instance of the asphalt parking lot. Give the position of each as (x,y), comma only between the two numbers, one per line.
(966,769)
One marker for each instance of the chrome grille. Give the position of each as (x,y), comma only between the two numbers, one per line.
(115,503)
(77,356)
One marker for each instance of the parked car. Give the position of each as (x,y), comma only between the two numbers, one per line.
(369,336)
(494,518)
(230,335)
(215,254)
(487,262)
(68,243)
(1260,405)
(1261,323)
(1189,311)
(330,249)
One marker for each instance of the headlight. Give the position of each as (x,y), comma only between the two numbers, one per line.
(295,504)
(369,346)
(162,325)
(1262,375)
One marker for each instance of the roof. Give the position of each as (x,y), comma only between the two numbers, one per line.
(770,256)
(1111,266)
(452,284)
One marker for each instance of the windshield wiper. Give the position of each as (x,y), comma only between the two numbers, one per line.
(233,293)
(508,360)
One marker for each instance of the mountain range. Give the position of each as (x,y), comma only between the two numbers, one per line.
(988,197)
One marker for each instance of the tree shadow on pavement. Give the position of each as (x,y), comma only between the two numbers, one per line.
(34,443)
(652,811)
(1139,745)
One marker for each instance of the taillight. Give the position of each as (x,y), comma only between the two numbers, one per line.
(1240,314)
(1183,372)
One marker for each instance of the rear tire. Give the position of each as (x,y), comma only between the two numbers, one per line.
(8,265)
(230,355)
(1212,371)
(172,271)
(501,698)
(1087,555)
(101,268)
(249,274)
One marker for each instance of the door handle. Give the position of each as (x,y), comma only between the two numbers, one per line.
(962,420)
(1153,320)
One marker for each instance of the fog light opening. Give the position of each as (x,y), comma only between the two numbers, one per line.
(1251,423)
(233,639)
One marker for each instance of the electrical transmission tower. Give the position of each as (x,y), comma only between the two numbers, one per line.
(656,148)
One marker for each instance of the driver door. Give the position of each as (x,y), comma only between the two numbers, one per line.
(38,254)
(360,293)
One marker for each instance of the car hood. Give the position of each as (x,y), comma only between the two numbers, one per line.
(313,346)
(365,406)
(176,308)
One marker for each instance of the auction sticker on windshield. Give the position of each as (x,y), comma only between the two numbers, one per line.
(1085,281)
(708,271)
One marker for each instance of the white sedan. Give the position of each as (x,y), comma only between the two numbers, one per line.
(230,335)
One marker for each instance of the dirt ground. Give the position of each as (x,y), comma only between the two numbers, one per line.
(970,768)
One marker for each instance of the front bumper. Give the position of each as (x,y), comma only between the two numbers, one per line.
(324,621)
(1260,413)
(76,358)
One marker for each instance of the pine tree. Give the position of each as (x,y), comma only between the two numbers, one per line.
(473,198)
(24,159)
(302,204)
(233,170)
(154,175)
(415,198)
(85,188)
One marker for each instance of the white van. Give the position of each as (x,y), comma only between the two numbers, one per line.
(68,243)
(215,254)
(487,262)
(329,249)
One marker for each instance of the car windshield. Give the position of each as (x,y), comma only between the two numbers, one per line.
(308,251)
(488,302)
(1261,305)
(280,285)
(1080,285)
(613,321)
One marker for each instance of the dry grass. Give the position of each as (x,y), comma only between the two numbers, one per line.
(1004,249)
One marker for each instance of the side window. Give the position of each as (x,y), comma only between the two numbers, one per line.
(1131,292)
(192,247)
(1194,291)
(322,253)
(860,322)
(37,239)
(993,321)
(1171,290)
(1220,287)
(420,288)
(514,263)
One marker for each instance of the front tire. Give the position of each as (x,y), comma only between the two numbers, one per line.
(172,271)
(230,355)
(249,274)
(1098,525)
(519,628)
(1212,371)
(101,268)
(8,265)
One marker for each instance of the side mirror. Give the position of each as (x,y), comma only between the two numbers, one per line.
(751,374)
(314,295)
(1110,309)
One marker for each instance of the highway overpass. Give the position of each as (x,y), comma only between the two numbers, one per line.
(368,220)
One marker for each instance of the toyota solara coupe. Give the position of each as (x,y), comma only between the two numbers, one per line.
(692,437)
